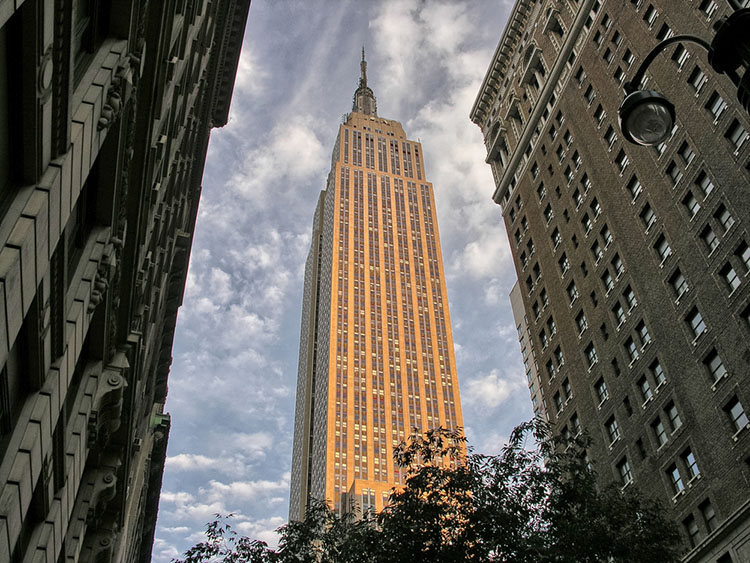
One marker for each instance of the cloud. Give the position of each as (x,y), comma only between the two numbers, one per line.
(490,390)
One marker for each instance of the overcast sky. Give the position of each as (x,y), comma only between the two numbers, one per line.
(231,388)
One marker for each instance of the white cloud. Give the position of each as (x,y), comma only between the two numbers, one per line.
(490,390)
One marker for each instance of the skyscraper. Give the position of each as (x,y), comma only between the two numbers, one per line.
(376,350)
(633,262)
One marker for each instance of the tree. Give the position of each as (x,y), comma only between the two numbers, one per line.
(535,502)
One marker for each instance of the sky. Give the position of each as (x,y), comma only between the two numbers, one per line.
(233,377)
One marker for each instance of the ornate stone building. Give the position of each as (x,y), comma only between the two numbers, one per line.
(633,263)
(105,114)
(376,347)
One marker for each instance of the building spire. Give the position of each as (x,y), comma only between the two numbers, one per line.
(364,99)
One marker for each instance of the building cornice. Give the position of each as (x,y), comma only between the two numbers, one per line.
(549,86)
(500,60)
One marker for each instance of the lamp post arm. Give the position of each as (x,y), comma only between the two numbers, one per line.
(635,83)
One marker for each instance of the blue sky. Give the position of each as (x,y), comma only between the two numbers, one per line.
(231,388)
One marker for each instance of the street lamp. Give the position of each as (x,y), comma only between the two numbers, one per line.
(646,117)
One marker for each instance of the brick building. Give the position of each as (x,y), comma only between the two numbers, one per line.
(105,114)
(633,263)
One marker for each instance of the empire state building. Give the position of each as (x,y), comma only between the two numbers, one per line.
(376,353)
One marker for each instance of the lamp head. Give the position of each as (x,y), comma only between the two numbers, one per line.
(646,117)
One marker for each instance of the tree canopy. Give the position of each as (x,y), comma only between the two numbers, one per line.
(535,502)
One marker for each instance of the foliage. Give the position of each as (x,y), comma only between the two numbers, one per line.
(535,504)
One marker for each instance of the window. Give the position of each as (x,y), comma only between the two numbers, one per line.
(619,75)
(691,529)
(598,38)
(575,424)
(590,94)
(564,264)
(647,216)
(665,32)
(662,248)
(557,398)
(709,238)
(704,183)
(601,390)
(716,105)
(724,218)
(551,326)
(572,292)
(715,366)
(674,416)
(680,56)
(730,277)
(581,322)
(736,414)
(619,314)
(548,213)
(679,284)
(697,79)
(709,516)
(586,223)
(696,323)
(607,281)
(610,136)
(556,238)
(591,356)
(541,191)
(736,134)
(543,339)
(691,204)
(643,333)
(580,75)
(599,115)
(675,479)
(688,457)
(686,152)
(649,16)
(606,235)
(622,161)
(544,298)
(628,57)
(597,251)
(534,171)
(568,138)
(631,349)
(577,159)
(674,172)
(561,362)
(743,253)
(623,468)
(618,266)
(661,435)
(708,8)
(658,372)
(577,198)
(634,187)
(645,388)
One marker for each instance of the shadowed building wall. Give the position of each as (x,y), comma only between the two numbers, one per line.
(633,262)
(105,114)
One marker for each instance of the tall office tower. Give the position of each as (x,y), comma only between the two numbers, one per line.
(376,349)
(105,114)
(633,262)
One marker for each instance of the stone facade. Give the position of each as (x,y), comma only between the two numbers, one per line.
(633,262)
(106,109)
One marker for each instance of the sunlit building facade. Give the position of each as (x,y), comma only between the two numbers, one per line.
(376,349)
(633,263)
